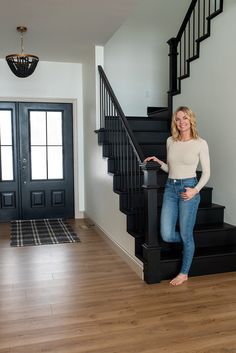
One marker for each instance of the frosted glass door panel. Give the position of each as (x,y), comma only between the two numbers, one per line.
(6,163)
(38,163)
(55,163)
(54,128)
(38,128)
(6,146)
(5,127)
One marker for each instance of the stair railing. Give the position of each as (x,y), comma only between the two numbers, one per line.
(185,47)
(134,179)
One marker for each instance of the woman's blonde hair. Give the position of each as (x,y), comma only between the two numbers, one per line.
(192,119)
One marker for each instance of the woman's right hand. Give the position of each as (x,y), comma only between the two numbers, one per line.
(152,158)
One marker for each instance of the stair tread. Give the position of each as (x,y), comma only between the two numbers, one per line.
(144,118)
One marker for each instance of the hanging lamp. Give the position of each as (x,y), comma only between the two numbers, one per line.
(22,65)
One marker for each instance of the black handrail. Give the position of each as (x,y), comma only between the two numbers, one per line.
(133,142)
(186,19)
(185,47)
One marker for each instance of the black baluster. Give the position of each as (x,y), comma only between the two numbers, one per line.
(194,13)
(204,16)
(199,17)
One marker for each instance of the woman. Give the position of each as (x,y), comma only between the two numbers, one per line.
(185,149)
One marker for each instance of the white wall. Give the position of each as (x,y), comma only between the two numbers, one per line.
(102,204)
(53,82)
(136,57)
(210,92)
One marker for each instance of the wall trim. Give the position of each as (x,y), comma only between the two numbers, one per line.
(134,263)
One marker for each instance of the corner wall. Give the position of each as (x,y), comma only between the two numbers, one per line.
(210,92)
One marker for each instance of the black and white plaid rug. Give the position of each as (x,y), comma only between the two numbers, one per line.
(41,232)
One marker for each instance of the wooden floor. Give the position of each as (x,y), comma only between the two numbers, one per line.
(82,298)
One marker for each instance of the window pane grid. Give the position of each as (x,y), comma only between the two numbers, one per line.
(47,157)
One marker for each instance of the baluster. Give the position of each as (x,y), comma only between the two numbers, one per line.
(204,16)
(120,146)
(131,176)
(194,13)
(209,7)
(199,19)
(123,158)
(184,52)
(180,58)
(189,36)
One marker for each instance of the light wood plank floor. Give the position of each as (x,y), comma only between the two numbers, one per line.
(82,298)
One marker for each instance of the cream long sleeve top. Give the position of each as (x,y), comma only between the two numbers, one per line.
(183,158)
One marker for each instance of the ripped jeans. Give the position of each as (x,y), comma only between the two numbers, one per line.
(174,208)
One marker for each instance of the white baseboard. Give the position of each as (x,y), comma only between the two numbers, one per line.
(135,264)
(79,215)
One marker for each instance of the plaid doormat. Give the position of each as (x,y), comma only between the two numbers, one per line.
(41,232)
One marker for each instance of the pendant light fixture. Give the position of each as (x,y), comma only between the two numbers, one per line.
(22,65)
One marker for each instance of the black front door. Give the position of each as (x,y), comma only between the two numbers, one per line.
(36,158)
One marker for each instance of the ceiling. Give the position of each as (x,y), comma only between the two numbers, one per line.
(60,30)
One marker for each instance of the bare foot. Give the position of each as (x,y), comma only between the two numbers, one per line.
(181,278)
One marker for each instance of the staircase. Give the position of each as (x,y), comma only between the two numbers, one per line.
(127,141)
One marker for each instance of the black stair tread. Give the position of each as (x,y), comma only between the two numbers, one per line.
(213,205)
(152,130)
(153,144)
(143,118)
(151,109)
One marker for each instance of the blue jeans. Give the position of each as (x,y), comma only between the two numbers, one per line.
(174,208)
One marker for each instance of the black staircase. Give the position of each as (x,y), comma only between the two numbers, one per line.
(127,141)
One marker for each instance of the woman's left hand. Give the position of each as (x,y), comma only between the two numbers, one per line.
(189,193)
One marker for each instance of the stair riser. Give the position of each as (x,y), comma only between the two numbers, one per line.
(149,125)
(134,199)
(206,239)
(206,197)
(160,114)
(119,182)
(214,238)
(151,137)
(201,265)
(131,201)
(155,150)
(205,217)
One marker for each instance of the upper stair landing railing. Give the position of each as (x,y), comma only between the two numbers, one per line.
(185,47)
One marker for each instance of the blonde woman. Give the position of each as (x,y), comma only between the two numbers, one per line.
(185,149)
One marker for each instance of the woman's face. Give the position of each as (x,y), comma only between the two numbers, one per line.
(182,122)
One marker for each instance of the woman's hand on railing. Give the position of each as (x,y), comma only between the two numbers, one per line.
(153,158)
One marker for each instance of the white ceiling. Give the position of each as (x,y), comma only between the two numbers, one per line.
(60,30)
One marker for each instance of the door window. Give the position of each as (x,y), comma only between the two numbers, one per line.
(46,145)
(6,146)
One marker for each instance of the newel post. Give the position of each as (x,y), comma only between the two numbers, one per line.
(151,248)
(173,54)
